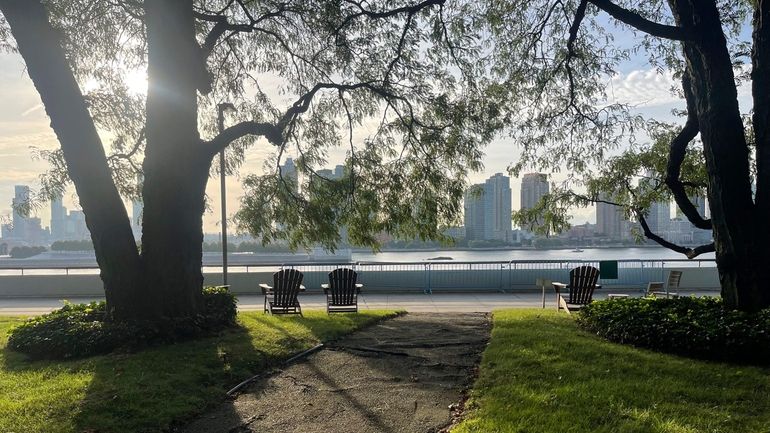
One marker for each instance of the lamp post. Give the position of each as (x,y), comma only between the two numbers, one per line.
(223,191)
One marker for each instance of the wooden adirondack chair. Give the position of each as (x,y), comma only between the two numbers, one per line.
(342,291)
(281,298)
(659,289)
(582,283)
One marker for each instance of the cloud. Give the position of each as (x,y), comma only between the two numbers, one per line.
(643,88)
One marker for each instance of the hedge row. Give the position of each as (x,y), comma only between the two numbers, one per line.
(696,327)
(80,330)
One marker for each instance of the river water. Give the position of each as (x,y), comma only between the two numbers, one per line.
(651,253)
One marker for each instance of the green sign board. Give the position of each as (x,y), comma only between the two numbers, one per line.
(608,269)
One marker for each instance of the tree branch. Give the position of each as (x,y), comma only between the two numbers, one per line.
(691,253)
(410,10)
(676,155)
(271,132)
(638,22)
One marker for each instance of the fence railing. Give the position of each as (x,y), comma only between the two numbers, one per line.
(426,276)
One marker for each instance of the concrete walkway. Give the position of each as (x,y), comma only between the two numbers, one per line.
(437,302)
(403,375)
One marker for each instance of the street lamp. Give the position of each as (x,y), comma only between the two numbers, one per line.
(223,191)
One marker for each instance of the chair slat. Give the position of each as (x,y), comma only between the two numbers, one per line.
(342,290)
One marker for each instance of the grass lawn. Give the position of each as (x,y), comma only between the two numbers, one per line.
(152,389)
(540,373)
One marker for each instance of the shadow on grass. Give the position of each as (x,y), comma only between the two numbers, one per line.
(542,374)
(155,388)
(152,389)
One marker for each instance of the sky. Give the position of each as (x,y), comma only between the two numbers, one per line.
(24,125)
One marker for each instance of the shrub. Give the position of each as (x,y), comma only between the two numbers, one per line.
(25,252)
(80,330)
(695,327)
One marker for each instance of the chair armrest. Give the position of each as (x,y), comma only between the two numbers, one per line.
(359,286)
(301,288)
(325,287)
(597,286)
(265,288)
(558,286)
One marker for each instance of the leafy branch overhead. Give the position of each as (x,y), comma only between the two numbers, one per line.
(393,88)
(559,58)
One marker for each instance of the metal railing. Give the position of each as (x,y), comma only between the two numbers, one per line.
(428,276)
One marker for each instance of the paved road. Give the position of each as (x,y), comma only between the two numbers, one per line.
(437,302)
(401,375)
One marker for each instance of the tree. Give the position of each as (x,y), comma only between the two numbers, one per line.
(557,56)
(392,81)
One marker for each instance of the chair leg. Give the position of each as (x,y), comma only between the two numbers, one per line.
(563,304)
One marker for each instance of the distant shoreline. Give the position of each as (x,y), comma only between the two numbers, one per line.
(564,247)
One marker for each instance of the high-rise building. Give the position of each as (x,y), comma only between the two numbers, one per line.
(533,187)
(659,216)
(76,226)
(20,201)
(488,210)
(339,171)
(58,219)
(609,220)
(289,174)
(24,228)
(474,213)
(497,204)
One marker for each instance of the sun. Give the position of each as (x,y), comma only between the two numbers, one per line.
(136,81)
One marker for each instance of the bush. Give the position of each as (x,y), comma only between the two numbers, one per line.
(83,245)
(80,330)
(695,327)
(25,252)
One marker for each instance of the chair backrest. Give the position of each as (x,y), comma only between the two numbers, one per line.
(674,277)
(342,285)
(655,286)
(286,284)
(582,281)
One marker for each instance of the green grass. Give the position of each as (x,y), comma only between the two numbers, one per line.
(153,389)
(540,373)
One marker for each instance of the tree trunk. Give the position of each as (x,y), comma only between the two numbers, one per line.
(175,167)
(106,216)
(742,266)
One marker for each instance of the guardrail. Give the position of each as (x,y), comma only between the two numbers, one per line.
(416,277)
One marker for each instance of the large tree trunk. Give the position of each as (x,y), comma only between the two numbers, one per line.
(106,216)
(175,167)
(740,259)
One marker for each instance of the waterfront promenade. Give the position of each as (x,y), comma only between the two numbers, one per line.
(443,302)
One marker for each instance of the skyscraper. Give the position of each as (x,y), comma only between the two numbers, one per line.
(659,216)
(533,187)
(488,210)
(339,171)
(289,174)
(474,213)
(497,204)
(20,201)
(58,219)
(609,219)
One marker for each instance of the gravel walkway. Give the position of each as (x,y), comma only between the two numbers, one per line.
(401,375)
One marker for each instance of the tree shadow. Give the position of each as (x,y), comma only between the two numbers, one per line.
(549,370)
(158,387)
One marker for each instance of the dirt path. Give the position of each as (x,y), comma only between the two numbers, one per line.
(398,376)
